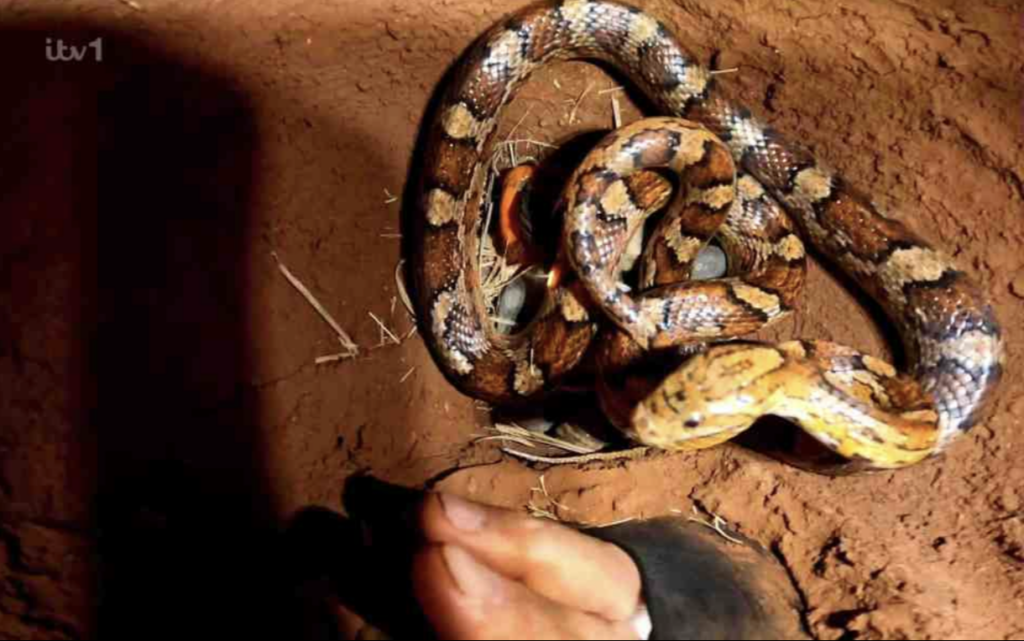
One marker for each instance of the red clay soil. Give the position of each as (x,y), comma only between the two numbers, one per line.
(161,415)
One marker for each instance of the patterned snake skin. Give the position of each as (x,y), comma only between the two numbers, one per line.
(857,406)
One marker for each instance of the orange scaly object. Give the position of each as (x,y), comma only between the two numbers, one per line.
(514,237)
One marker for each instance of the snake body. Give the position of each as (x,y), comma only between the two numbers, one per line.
(602,217)
(858,406)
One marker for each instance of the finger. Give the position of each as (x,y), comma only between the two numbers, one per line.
(465,599)
(350,624)
(553,560)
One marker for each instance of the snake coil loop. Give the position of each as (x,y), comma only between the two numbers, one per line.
(737,171)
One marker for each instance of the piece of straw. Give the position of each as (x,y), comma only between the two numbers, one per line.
(385,330)
(343,337)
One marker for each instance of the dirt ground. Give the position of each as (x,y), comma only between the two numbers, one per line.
(161,415)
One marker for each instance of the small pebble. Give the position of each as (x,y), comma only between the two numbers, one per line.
(1017,286)
(1010,502)
(711,263)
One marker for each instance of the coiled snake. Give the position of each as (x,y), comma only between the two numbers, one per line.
(732,169)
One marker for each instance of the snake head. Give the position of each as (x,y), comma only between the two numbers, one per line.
(674,425)
(710,399)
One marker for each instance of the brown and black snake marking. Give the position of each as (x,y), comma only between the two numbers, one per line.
(601,219)
(952,336)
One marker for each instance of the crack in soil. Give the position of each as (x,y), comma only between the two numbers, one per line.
(446,474)
(805,607)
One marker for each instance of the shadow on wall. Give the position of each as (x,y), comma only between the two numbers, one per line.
(126,192)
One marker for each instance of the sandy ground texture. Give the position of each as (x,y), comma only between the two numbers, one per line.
(161,412)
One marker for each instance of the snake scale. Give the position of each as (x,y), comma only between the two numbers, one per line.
(730,164)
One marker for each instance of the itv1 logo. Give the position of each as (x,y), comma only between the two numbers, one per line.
(59,51)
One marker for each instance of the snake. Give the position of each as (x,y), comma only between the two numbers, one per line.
(864,409)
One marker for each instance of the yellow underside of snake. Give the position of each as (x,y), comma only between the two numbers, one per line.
(733,175)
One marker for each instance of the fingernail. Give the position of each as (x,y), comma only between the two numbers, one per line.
(464,515)
(475,580)
(641,622)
